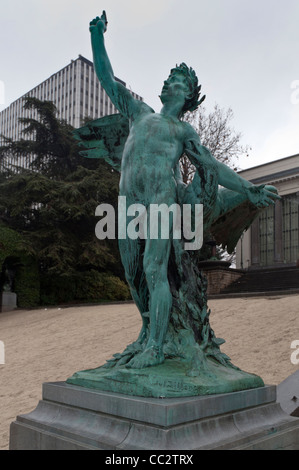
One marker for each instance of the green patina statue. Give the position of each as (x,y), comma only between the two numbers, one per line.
(176,353)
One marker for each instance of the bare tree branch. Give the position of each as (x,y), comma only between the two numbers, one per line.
(216,133)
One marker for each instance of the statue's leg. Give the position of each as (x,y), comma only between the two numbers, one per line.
(131,252)
(155,264)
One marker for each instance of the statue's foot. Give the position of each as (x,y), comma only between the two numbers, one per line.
(120,359)
(151,356)
(117,361)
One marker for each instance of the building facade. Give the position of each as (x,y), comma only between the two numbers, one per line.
(76,92)
(273,238)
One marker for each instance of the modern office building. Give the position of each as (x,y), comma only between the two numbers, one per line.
(273,239)
(76,92)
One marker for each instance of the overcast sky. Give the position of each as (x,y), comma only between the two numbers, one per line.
(246,55)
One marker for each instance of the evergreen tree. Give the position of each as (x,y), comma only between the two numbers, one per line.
(52,203)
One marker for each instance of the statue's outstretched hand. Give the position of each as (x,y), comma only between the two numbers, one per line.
(99,23)
(262,196)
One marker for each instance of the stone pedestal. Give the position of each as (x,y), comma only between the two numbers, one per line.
(288,394)
(70,417)
(219,275)
(8,301)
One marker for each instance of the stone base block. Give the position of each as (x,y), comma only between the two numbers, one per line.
(167,380)
(71,417)
(288,394)
(8,301)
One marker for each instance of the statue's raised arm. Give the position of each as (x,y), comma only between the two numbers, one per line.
(118,93)
(260,196)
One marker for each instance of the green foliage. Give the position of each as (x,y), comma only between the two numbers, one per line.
(51,205)
(49,145)
(10,243)
(91,286)
(27,282)
(95,286)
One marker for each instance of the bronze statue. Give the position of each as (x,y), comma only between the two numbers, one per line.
(166,284)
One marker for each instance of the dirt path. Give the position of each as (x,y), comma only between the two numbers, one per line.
(49,345)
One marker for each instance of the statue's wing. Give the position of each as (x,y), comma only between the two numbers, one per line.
(235,216)
(104,138)
(227,214)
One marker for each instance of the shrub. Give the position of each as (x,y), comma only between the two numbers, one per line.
(90,287)
(27,282)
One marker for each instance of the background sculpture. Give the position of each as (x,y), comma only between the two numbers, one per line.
(177,352)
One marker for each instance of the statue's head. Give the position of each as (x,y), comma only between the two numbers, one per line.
(188,77)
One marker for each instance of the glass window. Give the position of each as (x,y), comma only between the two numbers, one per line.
(267,236)
(290,227)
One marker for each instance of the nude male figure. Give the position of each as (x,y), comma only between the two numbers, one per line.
(150,159)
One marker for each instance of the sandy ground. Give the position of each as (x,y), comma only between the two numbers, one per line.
(49,345)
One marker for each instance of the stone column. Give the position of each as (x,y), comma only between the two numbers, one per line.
(278,243)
